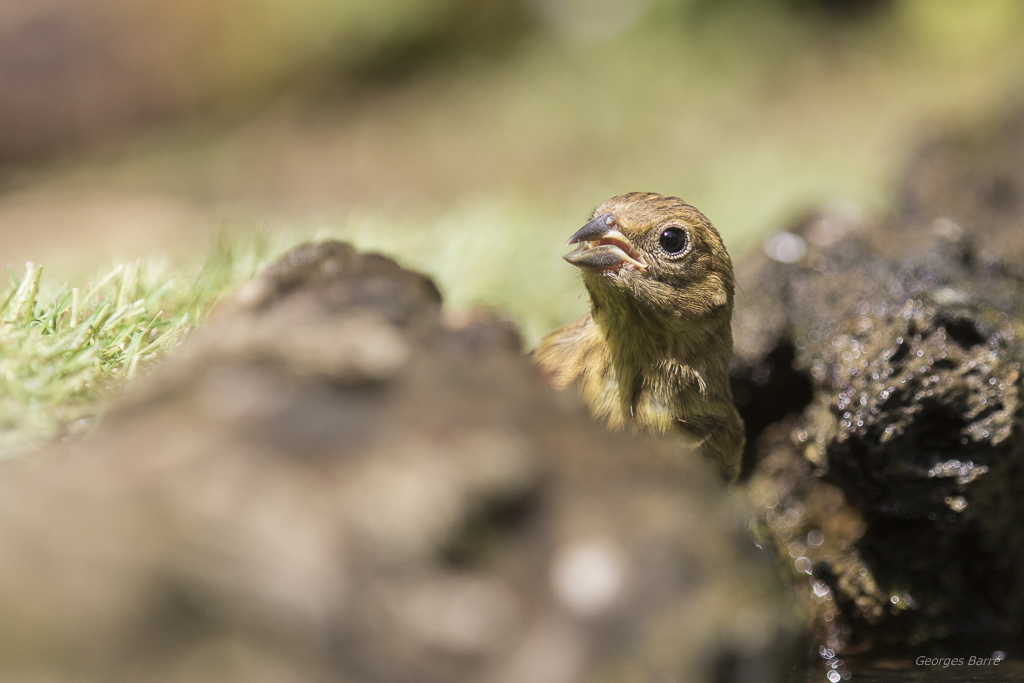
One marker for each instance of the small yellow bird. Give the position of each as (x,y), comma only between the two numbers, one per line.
(653,354)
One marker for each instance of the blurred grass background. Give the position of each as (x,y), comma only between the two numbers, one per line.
(467,138)
(65,346)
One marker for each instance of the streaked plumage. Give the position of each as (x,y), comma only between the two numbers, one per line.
(653,354)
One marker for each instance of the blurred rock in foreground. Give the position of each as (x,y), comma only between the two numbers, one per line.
(880,368)
(334,482)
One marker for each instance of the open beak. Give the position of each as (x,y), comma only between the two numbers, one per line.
(602,246)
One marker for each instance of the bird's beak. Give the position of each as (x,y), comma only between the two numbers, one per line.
(602,246)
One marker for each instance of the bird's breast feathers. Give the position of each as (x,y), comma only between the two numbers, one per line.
(653,354)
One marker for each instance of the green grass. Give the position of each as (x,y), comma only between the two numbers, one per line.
(475,171)
(65,346)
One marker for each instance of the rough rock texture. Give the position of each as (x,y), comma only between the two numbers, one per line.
(334,482)
(879,368)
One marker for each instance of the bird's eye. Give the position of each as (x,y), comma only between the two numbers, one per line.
(673,240)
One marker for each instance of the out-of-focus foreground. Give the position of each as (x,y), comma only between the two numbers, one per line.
(335,481)
(467,138)
(336,478)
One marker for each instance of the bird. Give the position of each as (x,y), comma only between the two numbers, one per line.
(652,355)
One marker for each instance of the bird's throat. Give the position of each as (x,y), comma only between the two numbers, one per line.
(666,371)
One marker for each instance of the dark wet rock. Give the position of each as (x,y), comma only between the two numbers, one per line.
(333,481)
(879,368)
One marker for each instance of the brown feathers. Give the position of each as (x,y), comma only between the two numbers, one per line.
(653,353)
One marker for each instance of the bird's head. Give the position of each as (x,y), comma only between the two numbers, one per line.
(655,255)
